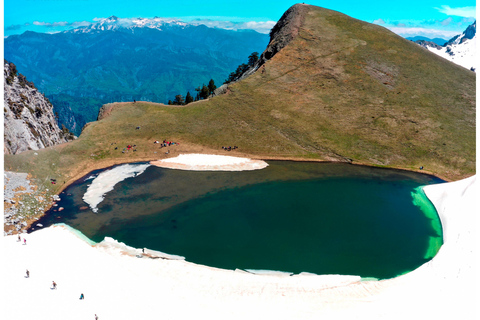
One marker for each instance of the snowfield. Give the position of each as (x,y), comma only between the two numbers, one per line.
(463,54)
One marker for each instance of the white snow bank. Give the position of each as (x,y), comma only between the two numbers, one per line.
(270,272)
(106,181)
(210,162)
(112,244)
(118,285)
(463,54)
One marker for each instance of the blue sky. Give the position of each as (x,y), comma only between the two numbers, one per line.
(442,18)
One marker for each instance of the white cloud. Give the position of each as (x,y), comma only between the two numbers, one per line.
(80,23)
(446,22)
(62,24)
(429,33)
(379,21)
(469,12)
(51,24)
(259,26)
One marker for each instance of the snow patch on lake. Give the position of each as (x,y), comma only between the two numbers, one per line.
(210,162)
(106,181)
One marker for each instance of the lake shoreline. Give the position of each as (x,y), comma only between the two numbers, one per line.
(105,164)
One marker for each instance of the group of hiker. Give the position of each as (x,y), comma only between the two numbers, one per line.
(54,284)
(19,239)
(163,144)
(166,143)
(229,148)
(133,147)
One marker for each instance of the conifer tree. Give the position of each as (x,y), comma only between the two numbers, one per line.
(188,98)
(211,86)
(204,92)
(179,100)
(252,59)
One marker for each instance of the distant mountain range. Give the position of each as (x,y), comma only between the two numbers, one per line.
(127,59)
(438,41)
(461,49)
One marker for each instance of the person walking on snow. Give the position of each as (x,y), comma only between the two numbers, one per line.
(28,274)
(54,285)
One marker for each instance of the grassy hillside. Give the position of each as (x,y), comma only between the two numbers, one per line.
(342,90)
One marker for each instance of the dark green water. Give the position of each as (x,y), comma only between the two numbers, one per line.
(293,217)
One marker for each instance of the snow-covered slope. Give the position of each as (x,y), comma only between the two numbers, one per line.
(461,49)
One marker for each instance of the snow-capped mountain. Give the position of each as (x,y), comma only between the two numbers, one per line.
(461,49)
(114,23)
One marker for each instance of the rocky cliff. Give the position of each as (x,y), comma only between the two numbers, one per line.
(284,30)
(29,121)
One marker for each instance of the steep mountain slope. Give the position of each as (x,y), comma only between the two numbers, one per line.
(337,89)
(29,122)
(112,60)
(461,49)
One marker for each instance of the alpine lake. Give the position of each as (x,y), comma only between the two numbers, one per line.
(321,218)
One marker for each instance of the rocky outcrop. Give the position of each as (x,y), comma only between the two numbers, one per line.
(468,34)
(284,31)
(29,121)
(427,44)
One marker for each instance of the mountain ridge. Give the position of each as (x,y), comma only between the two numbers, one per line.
(437,41)
(114,23)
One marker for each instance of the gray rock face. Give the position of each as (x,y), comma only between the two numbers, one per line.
(427,44)
(285,30)
(29,121)
(468,34)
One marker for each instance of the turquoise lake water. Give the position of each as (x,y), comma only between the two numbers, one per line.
(295,217)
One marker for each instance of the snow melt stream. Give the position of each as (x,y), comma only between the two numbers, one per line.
(106,181)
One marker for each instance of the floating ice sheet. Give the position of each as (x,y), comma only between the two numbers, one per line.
(210,162)
(106,181)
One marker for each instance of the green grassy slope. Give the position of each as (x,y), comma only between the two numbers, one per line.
(341,89)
